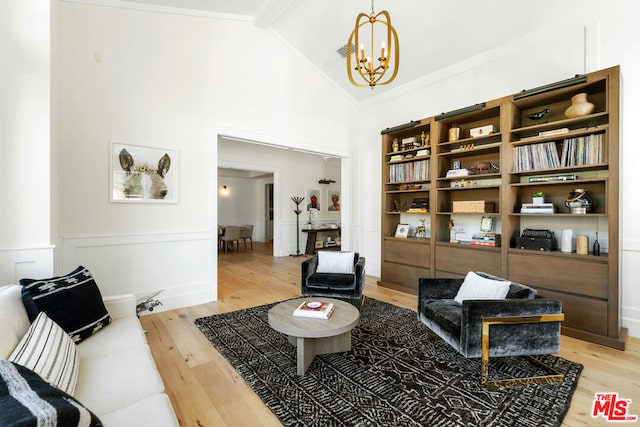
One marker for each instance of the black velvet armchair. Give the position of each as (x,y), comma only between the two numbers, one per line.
(333,285)
(522,324)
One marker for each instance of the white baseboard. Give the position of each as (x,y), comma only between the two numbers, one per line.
(178,297)
(631,321)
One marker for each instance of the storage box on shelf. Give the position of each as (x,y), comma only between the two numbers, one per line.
(473,206)
(523,144)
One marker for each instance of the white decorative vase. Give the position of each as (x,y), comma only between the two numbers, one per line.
(566,240)
(538,200)
(579,106)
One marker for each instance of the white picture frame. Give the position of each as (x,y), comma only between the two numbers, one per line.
(402,230)
(333,206)
(308,199)
(486,224)
(140,174)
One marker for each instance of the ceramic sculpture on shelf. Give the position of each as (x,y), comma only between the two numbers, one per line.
(580,106)
(579,201)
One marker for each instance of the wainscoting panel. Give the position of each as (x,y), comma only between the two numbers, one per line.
(630,291)
(181,265)
(16,264)
(369,244)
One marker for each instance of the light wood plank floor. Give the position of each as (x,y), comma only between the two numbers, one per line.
(206,391)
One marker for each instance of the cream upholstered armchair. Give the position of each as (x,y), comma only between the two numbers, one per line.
(486,316)
(334,274)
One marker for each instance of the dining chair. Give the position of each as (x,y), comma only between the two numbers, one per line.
(246,232)
(220,236)
(231,235)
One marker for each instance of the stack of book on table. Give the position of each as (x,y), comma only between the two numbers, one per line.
(542,208)
(318,310)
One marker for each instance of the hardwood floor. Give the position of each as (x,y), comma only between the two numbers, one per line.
(206,391)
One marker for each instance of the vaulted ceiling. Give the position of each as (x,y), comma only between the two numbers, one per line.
(433,34)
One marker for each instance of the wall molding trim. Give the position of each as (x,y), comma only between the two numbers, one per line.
(180,264)
(20,263)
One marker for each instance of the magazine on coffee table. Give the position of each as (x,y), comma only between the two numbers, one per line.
(316,309)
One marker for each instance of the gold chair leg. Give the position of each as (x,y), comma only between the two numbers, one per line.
(552,375)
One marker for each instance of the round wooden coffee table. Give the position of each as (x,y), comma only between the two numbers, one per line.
(315,336)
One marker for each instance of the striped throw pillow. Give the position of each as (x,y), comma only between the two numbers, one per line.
(335,262)
(48,350)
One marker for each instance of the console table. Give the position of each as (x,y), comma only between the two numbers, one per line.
(312,238)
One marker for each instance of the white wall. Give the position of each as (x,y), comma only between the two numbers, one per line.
(243,203)
(240,204)
(25,248)
(166,80)
(600,41)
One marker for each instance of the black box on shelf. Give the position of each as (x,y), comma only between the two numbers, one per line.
(536,243)
(537,240)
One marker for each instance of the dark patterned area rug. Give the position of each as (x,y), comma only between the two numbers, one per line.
(397,374)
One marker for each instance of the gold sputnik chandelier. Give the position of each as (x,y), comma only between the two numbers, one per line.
(372,73)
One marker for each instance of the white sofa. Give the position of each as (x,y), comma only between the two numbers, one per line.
(118,379)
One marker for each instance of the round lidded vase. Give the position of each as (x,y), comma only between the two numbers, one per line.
(580,106)
(579,201)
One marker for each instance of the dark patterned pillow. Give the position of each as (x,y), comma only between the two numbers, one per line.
(27,400)
(73,301)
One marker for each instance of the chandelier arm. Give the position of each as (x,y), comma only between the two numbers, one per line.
(357,56)
(360,57)
(396,57)
(390,30)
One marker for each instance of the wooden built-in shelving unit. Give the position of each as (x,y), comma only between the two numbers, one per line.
(586,284)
